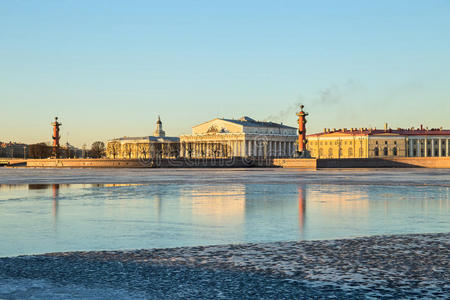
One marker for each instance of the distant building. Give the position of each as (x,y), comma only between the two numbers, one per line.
(244,137)
(144,147)
(373,143)
(13,150)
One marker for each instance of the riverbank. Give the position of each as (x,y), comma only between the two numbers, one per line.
(235,162)
(396,266)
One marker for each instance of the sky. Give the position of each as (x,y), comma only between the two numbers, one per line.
(108,68)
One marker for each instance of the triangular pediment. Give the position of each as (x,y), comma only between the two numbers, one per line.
(217,126)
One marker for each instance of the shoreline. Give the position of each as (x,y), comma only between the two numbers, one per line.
(383,177)
(236,162)
(390,266)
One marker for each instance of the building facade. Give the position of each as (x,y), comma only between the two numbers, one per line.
(13,150)
(373,143)
(146,147)
(244,137)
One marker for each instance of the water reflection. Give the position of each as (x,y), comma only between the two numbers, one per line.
(55,193)
(221,203)
(117,216)
(301,209)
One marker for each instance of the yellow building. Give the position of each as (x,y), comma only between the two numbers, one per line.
(372,143)
(145,147)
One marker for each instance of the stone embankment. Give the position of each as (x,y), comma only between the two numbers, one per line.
(239,162)
(388,162)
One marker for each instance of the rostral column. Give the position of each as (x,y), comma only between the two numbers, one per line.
(56,137)
(301,151)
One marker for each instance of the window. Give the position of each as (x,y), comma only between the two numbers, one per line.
(394,151)
(385,142)
(395,142)
(330,152)
(361,152)
(320,152)
(376,152)
(350,152)
(385,151)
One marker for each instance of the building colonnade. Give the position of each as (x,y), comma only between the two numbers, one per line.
(428,147)
(236,147)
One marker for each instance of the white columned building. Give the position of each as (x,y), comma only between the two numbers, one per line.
(242,137)
(418,143)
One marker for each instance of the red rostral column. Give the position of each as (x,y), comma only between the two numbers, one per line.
(56,137)
(302,130)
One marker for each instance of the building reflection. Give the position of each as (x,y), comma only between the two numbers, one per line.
(4,188)
(223,203)
(55,194)
(301,209)
(337,199)
(250,211)
(158,204)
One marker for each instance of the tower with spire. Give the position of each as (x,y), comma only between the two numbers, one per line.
(159,132)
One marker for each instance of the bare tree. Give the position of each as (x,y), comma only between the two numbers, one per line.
(40,150)
(113,149)
(97,149)
(143,151)
(128,149)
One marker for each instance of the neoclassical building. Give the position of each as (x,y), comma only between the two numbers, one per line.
(244,137)
(146,147)
(372,143)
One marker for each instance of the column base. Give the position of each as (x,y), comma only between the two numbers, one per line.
(302,154)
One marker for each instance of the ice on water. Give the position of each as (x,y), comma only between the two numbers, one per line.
(49,210)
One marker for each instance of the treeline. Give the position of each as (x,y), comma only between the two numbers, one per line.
(13,150)
(42,150)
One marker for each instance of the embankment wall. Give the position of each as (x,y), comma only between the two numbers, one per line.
(309,163)
(137,163)
(398,162)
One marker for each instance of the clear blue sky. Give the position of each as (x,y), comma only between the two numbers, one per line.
(108,68)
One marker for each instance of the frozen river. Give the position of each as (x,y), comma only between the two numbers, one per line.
(50,210)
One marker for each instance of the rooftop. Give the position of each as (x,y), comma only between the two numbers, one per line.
(149,138)
(247,121)
(388,131)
